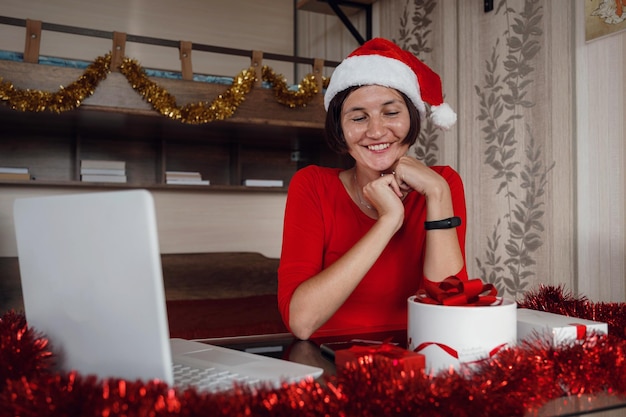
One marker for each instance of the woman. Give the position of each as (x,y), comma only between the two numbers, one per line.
(355,244)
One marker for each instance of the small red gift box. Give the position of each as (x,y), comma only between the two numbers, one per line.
(394,355)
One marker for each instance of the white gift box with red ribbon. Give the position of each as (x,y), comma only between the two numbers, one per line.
(450,334)
(556,327)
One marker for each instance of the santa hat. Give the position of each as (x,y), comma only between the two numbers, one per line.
(381,62)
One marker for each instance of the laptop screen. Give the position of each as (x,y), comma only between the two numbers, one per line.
(91,280)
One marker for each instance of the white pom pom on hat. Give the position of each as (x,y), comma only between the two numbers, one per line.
(382,62)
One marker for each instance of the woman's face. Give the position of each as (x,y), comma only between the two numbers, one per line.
(375,120)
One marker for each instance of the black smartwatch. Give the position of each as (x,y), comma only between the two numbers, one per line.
(448,223)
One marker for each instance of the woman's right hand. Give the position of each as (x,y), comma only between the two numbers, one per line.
(385,195)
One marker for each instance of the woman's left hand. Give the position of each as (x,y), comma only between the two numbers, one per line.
(411,174)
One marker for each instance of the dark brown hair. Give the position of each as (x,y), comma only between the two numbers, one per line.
(334,133)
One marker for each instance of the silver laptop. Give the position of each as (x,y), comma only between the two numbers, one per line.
(92,282)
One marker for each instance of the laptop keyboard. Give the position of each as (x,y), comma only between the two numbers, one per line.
(208,379)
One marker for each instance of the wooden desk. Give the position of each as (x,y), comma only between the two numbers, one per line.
(285,346)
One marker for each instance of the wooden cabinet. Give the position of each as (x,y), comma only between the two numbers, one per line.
(52,146)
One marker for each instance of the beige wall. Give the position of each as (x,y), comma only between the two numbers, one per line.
(188,222)
(601,163)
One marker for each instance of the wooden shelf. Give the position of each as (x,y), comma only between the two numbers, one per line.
(114,94)
(168,187)
(53,145)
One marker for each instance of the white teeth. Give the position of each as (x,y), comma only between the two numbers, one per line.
(378,147)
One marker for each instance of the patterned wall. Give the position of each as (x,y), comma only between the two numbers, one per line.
(516,164)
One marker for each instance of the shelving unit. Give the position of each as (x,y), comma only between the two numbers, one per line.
(263,139)
(342,9)
(324,6)
(52,146)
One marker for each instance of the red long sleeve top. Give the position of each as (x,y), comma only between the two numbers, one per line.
(322,222)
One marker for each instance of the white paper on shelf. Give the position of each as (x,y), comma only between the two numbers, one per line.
(263,183)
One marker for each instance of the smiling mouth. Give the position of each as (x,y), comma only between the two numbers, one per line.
(379,147)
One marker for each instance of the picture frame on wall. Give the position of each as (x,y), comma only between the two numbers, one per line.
(604,17)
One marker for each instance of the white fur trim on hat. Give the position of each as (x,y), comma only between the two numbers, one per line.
(375,70)
(443,116)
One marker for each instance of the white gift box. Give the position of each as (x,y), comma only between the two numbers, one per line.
(557,327)
(449,336)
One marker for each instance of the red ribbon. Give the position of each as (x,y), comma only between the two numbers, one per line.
(454,292)
(581,330)
(385,349)
(452,352)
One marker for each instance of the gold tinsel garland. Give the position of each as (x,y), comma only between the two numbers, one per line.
(306,89)
(66,98)
(222,107)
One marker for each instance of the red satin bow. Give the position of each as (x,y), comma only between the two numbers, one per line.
(454,292)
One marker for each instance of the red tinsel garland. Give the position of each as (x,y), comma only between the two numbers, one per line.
(557,300)
(513,382)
